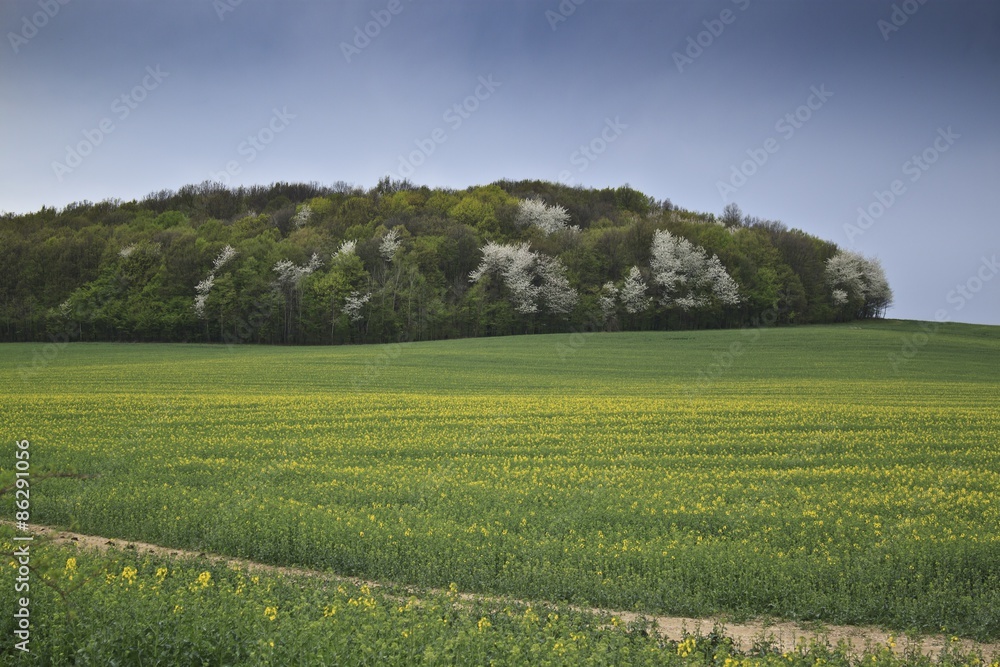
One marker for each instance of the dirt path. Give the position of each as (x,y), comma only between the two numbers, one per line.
(786,634)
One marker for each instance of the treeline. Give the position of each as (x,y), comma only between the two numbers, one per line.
(312,264)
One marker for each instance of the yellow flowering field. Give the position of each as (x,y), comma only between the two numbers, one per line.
(810,475)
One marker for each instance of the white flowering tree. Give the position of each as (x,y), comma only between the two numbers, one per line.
(204,288)
(687,277)
(514,266)
(291,274)
(390,244)
(338,292)
(228,253)
(556,294)
(346,249)
(354,305)
(633,292)
(607,301)
(858,284)
(533,281)
(202,291)
(287,282)
(549,219)
(301,218)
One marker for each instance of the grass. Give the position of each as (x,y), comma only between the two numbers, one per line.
(803,473)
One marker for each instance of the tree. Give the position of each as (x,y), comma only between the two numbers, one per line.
(163,268)
(340,300)
(290,275)
(607,301)
(390,245)
(633,292)
(858,284)
(302,217)
(514,265)
(687,277)
(203,288)
(557,296)
(549,219)
(732,216)
(532,279)
(353,305)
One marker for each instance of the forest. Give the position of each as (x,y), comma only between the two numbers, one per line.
(294,263)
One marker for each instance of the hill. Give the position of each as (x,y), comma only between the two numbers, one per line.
(309,264)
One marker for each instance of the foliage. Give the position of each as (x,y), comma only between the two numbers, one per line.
(529,277)
(214,264)
(858,284)
(687,276)
(549,219)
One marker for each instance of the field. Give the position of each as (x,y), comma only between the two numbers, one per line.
(799,473)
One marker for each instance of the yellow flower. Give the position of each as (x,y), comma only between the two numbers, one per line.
(70,564)
(205,579)
(686,647)
(271,612)
(483,623)
(161,574)
(178,609)
(128,574)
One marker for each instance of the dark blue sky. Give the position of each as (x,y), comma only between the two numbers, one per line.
(225,71)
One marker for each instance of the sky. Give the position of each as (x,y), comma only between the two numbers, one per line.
(869,123)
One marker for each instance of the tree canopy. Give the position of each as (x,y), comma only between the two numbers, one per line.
(297,263)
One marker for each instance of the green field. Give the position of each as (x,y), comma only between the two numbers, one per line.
(806,475)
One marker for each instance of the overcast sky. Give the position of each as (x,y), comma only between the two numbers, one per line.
(802,112)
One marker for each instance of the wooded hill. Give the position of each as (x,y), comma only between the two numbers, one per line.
(311,264)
